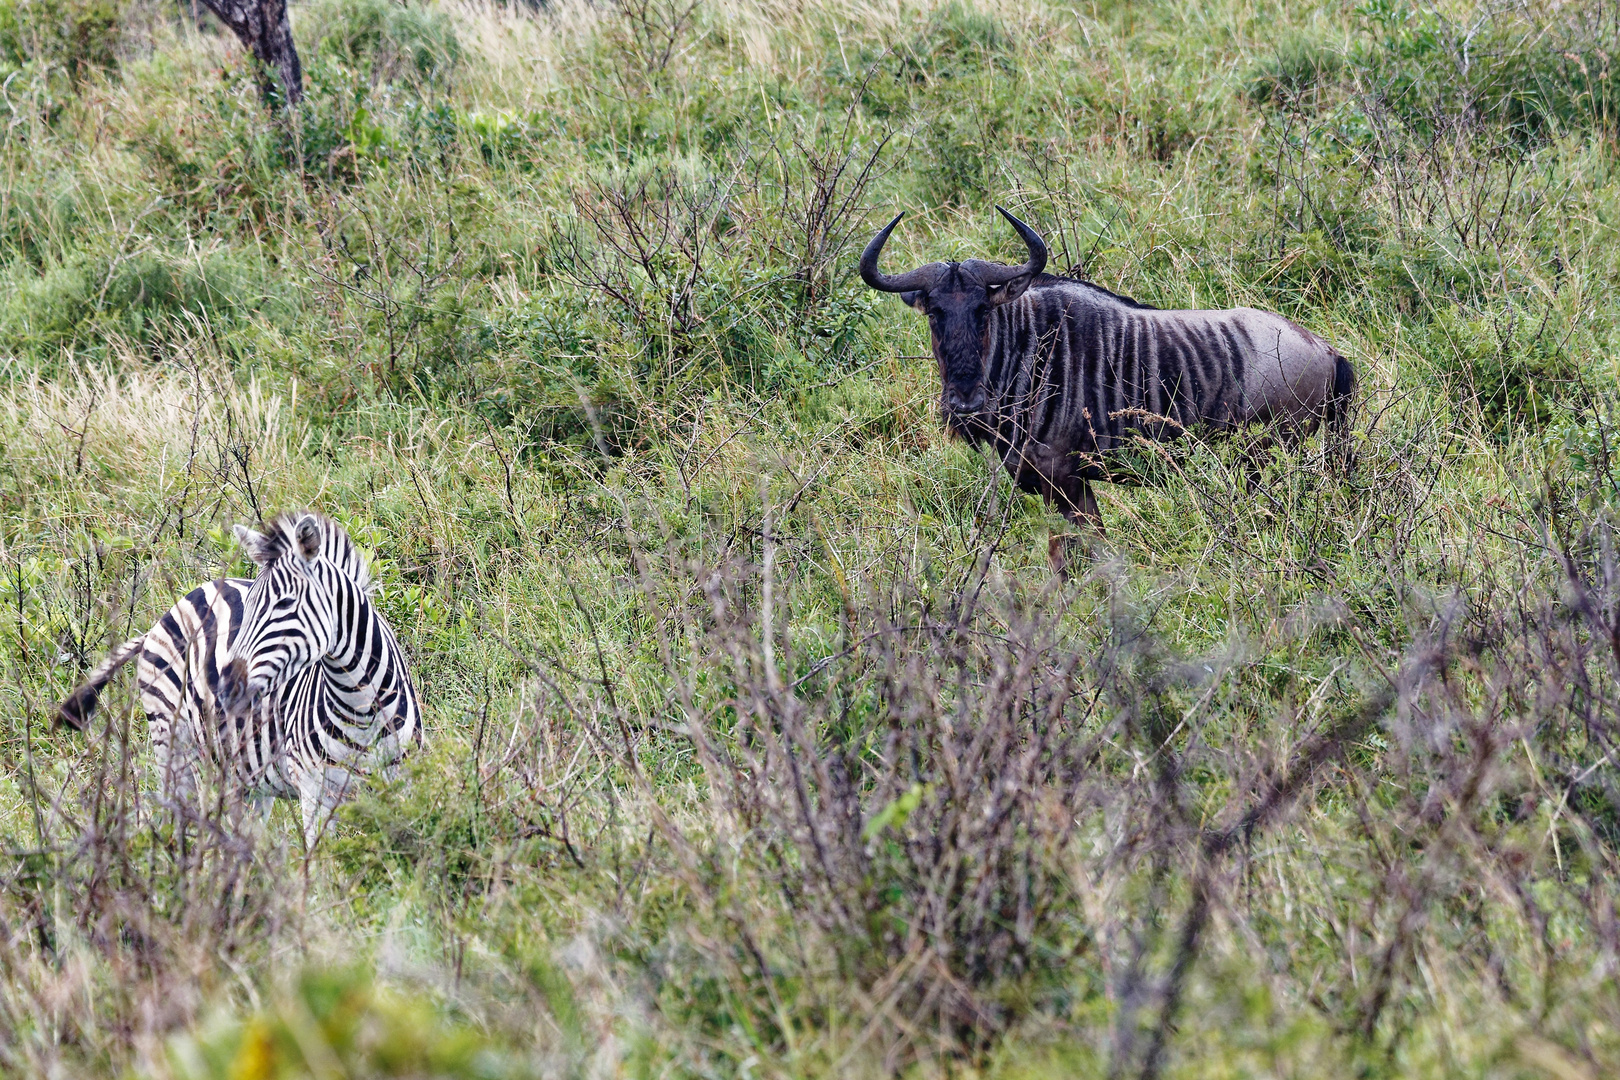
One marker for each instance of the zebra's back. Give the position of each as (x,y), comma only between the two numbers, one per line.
(312,725)
(178,675)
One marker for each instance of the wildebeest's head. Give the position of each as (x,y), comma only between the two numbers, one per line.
(957,298)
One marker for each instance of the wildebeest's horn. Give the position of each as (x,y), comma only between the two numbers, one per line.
(1037,254)
(920,278)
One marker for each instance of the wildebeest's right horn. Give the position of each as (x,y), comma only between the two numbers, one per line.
(1037,253)
(920,278)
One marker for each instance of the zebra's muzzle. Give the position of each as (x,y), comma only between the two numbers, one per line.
(235,692)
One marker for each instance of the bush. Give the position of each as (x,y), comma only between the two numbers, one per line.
(221,162)
(912,786)
(337,1017)
(142,297)
(79,36)
(966,61)
(1300,71)
(1537,69)
(1511,365)
(387,41)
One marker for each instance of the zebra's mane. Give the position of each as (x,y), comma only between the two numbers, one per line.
(336,546)
(1047,280)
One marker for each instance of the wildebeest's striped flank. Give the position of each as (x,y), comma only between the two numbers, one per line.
(291,682)
(1057,373)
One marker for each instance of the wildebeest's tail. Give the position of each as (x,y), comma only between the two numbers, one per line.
(80,705)
(1338,413)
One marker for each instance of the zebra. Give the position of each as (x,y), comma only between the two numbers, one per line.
(291,682)
(1057,374)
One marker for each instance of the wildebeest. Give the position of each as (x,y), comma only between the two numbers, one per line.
(1057,374)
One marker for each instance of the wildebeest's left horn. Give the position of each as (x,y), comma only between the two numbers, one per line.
(920,278)
(1037,253)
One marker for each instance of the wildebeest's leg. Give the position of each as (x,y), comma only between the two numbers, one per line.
(1082,509)
(1337,416)
(1291,433)
(1078,502)
(1255,453)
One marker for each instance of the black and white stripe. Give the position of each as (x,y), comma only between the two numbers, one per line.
(291,683)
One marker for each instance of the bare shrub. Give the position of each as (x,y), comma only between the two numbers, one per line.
(405,272)
(826,173)
(651,34)
(939,805)
(123,917)
(676,246)
(658,232)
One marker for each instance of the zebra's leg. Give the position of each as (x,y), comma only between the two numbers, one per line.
(178,764)
(264,806)
(312,805)
(320,793)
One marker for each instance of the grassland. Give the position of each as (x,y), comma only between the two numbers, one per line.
(763,741)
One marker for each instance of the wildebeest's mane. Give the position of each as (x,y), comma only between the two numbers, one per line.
(1047,280)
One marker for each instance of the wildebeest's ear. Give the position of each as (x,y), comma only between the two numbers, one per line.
(1006,294)
(915,299)
(258,547)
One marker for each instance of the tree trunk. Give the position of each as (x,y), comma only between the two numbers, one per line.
(263,27)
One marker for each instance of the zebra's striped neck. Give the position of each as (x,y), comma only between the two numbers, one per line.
(364,680)
(359,687)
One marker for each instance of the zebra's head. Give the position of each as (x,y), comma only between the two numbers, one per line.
(289,619)
(958,299)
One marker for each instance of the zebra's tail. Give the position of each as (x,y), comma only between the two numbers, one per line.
(1338,414)
(80,705)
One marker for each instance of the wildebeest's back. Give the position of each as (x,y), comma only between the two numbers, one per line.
(1074,372)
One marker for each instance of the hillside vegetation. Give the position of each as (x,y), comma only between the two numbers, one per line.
(762,739)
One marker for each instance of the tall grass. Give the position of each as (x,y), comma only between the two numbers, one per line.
(761,737)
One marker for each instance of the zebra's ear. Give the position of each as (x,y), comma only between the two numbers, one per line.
(259,547)
(308,535)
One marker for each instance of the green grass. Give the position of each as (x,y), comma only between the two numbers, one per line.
(555,309)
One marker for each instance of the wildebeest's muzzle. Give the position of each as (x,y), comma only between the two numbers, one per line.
(961,405)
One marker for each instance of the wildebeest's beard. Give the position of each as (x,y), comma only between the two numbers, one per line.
(977,428)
